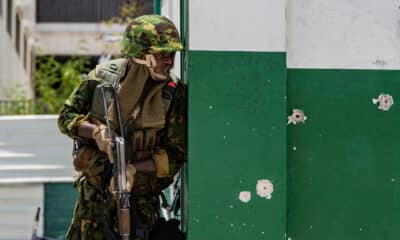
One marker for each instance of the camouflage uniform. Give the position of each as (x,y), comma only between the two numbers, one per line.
(95,208)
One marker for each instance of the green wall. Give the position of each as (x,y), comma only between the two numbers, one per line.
(157,6)
(59,201)
(237,111)
(343,163)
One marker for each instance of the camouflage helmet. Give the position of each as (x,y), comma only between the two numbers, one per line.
(150,34)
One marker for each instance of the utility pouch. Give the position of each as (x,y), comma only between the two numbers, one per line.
(85,158)
(160,157)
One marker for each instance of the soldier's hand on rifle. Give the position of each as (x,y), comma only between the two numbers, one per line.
(130,178)
(103,141)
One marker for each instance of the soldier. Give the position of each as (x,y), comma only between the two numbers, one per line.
(153,114)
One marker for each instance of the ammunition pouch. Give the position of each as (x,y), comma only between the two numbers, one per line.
(97,110)
(161,161)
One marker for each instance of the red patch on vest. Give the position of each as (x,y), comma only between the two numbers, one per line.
(172,84)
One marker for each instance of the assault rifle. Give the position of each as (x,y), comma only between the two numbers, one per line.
(120,194)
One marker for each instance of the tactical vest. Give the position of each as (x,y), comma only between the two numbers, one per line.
(109,74)
(138,140)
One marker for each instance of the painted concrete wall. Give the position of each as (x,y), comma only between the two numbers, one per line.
(18,204)
(237,25)
(35,171)
(343,34)
(343,168)
(237,127)
(33,150)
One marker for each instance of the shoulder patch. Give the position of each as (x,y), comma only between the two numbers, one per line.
(172,84)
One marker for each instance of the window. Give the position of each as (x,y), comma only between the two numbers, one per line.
(9,12)
(17,33)
(25,58)
(32,55)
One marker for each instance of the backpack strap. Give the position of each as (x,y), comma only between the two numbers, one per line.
(116,66)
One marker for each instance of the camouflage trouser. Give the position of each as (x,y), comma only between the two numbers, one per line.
(90,212)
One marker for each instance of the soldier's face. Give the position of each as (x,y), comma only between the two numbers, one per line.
(165,61)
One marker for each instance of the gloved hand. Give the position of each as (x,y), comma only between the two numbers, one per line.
(103,141)
(130,178)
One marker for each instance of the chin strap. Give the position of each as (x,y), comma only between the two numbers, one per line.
(151,63)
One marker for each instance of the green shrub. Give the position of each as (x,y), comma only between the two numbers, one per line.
(54,81)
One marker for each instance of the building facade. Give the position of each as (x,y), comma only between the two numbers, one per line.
(54,27)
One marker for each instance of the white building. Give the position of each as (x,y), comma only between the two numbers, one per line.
(30,28)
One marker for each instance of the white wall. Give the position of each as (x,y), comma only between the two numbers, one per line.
(12,71)
(32,149)
(343,34)
(3,46)
(236,25)
(18,204)
(32,152)
(45,39)
(171,9)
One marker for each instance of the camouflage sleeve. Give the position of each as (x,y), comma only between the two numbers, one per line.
(175,140)
(76,108)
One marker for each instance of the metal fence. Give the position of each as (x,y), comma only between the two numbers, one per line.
(16,107)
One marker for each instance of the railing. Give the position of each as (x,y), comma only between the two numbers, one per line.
(16,107)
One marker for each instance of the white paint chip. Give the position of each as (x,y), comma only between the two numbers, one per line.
(245,196)
(294,148)
(210,107)
(264,188)
(385,101)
